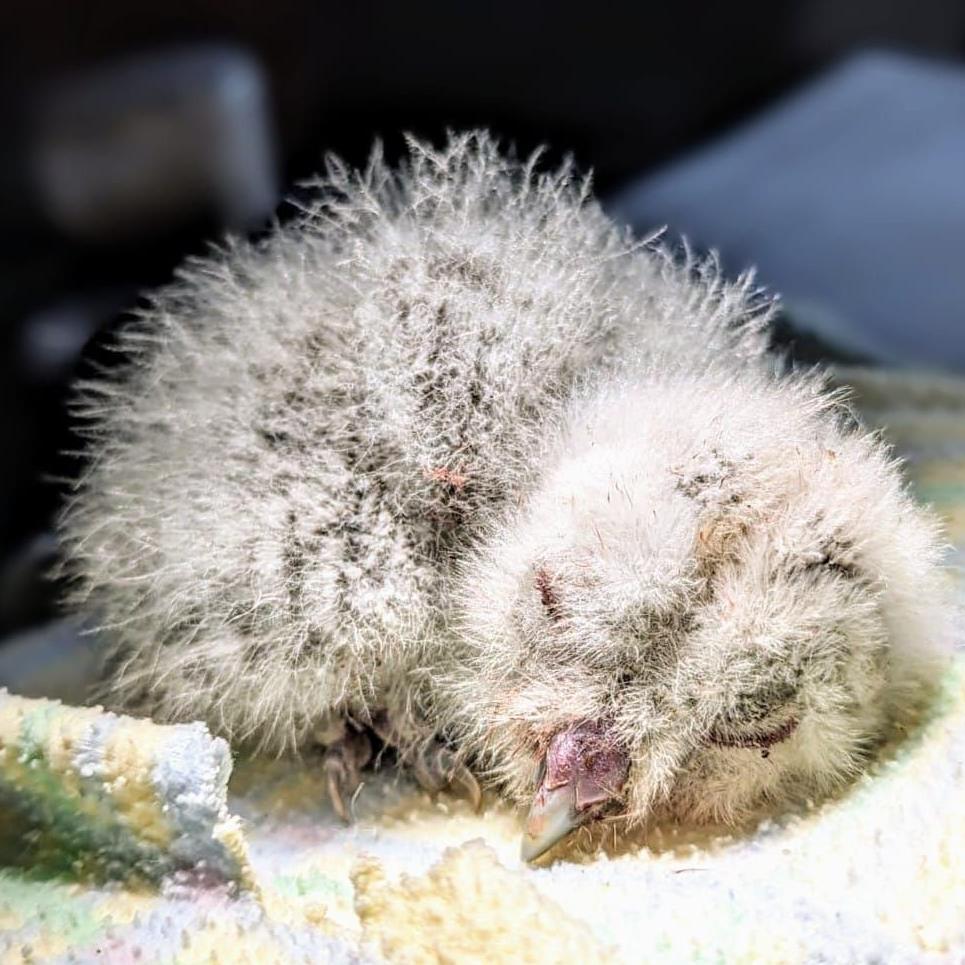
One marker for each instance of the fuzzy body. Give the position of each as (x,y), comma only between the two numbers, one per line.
(452,447)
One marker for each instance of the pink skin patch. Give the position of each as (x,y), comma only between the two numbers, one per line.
(448,477)
(586,757)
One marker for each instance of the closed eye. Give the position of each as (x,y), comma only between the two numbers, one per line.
(761,739)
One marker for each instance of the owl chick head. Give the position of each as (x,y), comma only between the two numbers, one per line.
(712,600)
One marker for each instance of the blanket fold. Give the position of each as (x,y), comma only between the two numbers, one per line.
(114,796)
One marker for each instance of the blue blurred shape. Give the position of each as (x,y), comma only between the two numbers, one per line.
(56,660)
(849,197)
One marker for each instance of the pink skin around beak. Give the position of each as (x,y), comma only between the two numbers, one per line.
(584,769)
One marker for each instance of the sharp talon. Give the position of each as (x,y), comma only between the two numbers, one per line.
(335,795)
(343,761)
(425,778)
(383,729)
(439,769)
(462,776)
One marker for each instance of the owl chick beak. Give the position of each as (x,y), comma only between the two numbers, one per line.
(583,772)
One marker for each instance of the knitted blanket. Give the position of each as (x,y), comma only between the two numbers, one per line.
(125,841)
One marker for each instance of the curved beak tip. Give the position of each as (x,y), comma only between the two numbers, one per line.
(582,772)
(552,817)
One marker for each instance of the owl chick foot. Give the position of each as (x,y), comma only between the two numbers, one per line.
(342,763)
(435,766)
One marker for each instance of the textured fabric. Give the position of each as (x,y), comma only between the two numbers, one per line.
(139,800)
(874,875)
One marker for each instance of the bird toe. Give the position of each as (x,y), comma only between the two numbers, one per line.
(342,764)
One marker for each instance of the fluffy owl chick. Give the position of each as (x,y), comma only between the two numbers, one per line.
(712,601)
(451,459)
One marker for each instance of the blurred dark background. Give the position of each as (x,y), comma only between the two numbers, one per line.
(822,141)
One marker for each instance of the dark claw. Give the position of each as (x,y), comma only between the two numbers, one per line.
(467,780)
(335,777)
(438,769)
(343,765)
(428,780)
